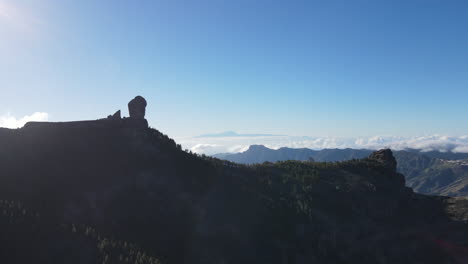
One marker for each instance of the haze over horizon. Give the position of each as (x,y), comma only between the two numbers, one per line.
(232,142)
(321,69)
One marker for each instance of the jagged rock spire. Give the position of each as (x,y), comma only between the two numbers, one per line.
(385,156)
(116,116)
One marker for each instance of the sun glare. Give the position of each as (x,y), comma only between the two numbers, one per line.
(18,18)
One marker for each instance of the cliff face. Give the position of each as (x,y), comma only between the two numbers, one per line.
(135,184)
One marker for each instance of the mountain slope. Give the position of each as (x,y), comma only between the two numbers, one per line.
(132,183)
(433,175)
(426,172)
(26,238)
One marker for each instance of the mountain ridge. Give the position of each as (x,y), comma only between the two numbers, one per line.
(136,184)
(437,173)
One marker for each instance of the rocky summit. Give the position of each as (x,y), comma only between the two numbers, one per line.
(137,107)
(385,156)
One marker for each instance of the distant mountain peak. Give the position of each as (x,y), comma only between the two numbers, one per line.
(257,148)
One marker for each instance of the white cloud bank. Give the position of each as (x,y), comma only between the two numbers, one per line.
(10,121)
(214,145)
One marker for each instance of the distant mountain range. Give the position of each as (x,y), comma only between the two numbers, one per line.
(260,154)
(434,172)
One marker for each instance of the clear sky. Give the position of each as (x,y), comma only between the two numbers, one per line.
(316,68)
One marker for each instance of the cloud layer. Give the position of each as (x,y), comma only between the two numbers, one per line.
(216,145)
(10,121)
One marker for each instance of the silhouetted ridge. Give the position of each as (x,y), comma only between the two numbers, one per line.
(89,185)
(137,119)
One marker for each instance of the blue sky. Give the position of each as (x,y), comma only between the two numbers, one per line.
(304,68)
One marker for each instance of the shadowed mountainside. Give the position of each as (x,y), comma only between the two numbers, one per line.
(134,184)
(430,175)
(436,173)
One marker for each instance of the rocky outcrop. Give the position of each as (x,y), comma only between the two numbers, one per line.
(116,116)
(137,108)
(385,156)
(387,160)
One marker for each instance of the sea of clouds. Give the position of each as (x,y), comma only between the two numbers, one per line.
(214,145)
(10,121)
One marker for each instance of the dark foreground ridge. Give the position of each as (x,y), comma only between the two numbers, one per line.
(136,108)
(117,191)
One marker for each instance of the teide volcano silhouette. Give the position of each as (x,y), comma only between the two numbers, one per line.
(116,191)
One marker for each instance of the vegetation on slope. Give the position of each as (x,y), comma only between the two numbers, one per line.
(27,238)
(436,173)
(137,185)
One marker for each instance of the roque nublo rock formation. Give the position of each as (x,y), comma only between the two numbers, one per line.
(137,107)
(137,111)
